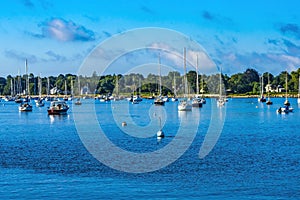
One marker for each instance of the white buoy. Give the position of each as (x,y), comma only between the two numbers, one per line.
(160,134)
(124,124)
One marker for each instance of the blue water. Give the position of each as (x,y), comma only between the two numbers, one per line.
(256,157)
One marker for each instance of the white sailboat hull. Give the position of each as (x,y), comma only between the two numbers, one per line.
(220,102)
(184,106)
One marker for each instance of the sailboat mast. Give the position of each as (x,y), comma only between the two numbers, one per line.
(40,86)
(27,79)
(117,85)
(175,93)
(11,87)
(286,83)
(48,86)
(197,78)
(72,87)
(262,85)
(79,93)
(66,87)
(220,82)
(184,66)
(159,70)
(268,86)
(140,86)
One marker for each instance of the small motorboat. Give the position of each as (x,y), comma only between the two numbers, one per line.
(285,110)
(58,108)
(269,102)
(159,101)
(197,102)
(184,105)
(25,107)
(39,102)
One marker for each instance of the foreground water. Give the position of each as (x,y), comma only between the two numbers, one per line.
(256,157)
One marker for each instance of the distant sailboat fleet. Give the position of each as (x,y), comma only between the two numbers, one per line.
(186,103)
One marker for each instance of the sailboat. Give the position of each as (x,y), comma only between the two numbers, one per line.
(135,99)
(262,98)
(159,100)
(203,100)
(117,97)
(78,102)
(160,133)
(25,105)
(48,98)
(66,92)
(174,98)
(197,100)
(70,98)
(286,102)
(269,102)
(221,101)
(286,108)
(184,104)
(298,100)
(11,97)
(39,102)
(19,89)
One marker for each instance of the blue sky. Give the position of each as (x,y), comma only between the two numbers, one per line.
(56,35)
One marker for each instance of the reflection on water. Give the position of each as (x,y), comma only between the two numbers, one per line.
(55,118)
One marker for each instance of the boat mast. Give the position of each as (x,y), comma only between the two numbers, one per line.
(40,86)
(202,84)
(19,85)
(197,78)
(79,92)
(159,70)
(184,78)
(72,87)
(66,87)
(11,87)
(27,79)
(286,83)
(140,86)
(175,85)
(268,87)
(48,86)
(262,85)
(117,85)
(220,83)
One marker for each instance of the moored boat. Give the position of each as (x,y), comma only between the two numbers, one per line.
(39,102)
(197,102)
(159,101)
(58,108)
(78,102)
(285,110)
(184,104)
(25,107)
(269,102)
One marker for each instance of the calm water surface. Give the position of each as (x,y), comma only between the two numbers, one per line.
(256,157)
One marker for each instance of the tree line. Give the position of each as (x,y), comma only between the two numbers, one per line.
(247,82)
